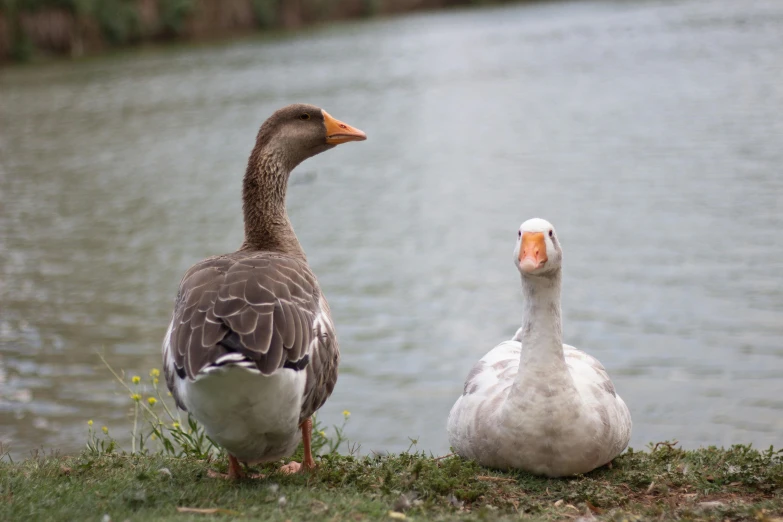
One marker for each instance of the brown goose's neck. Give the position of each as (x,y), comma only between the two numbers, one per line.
(267,226)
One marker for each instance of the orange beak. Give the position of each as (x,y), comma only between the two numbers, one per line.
(338,132)
(532,251)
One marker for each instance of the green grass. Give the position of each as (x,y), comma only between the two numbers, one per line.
(165,476)
(667,483)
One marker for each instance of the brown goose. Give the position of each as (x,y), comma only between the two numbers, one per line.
(251,351)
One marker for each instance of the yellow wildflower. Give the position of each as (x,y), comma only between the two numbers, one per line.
(154,372)
(175,425)
(155,380)
(322,433)
(105,430)
(89,422)
(153,437)
(136,379)
(136,397)
(152,401)
(346,413)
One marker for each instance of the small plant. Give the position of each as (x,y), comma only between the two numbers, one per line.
(159,428)
(157,423)
(99,446)
(322,441)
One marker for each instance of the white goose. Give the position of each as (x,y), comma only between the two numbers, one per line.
(534,403)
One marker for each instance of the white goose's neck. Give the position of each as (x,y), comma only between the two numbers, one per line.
(543,385)
(541,334)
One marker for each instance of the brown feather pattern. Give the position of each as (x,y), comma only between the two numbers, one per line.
(271,304)
(261,307)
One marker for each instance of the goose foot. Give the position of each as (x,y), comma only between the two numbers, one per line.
(291,468)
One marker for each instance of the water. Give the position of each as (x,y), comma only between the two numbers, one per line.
(649,133)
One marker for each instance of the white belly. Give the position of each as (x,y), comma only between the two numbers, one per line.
(254,417)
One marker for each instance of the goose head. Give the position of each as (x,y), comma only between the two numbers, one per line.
(300,131)
(537,252)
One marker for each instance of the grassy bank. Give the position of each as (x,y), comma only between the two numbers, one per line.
(664,483)
(30,28)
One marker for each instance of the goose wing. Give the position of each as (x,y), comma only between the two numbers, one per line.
(586,368)
(261,311)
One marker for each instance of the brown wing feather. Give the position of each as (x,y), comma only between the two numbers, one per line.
(266,307)
(322,370)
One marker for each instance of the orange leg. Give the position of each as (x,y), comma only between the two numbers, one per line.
(308,464)
(234,468)
(235,471)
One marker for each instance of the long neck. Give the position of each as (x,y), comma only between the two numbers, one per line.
(543,382)
(267,226)
(541,334)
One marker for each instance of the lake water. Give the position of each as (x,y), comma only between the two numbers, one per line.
(649,133)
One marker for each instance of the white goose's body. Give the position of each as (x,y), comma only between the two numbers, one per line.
(533,403)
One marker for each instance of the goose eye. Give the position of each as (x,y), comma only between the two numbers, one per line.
(519,234)
(304,116)
(551,234)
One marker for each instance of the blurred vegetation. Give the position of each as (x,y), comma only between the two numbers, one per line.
(173,14)
(267,12)
(118,19)
(75,27)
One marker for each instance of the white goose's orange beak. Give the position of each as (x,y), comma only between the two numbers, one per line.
(338,132)
(532,251)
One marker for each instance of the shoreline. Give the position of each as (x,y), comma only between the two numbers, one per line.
(71,29)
